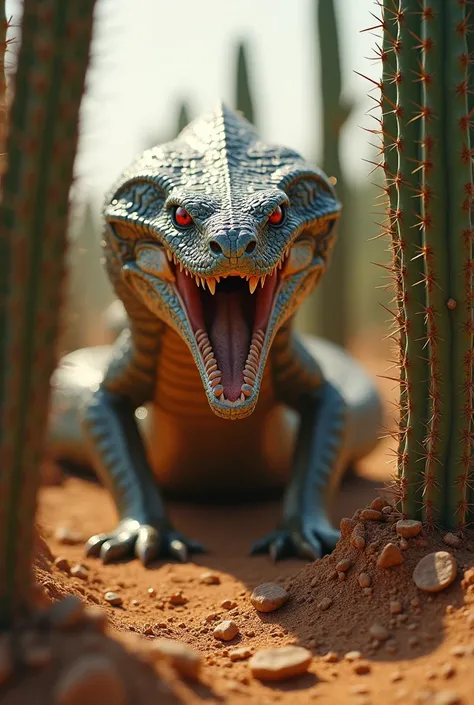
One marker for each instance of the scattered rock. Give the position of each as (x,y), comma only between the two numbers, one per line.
(226,630)
(177,598)
(344,565)
(268,597)
(280,664)
(452,540)
(364,580)
(468,579)
(379,632)
(62,563)
(446,697)
(358,537)
(460,651)
(435,572)
(68,537)
(395,607)
(371,515)
(396,676)
(331,657)
(151,591)
(390,556)
(352,656)
(379,503)
(180,656)
(113,599)
(240,654)
(67,613)
(403,544)
(325,603)
(408,528)
(447,670)
(209,579)
(79,571)
(347,526)
(228,604)
(92,679)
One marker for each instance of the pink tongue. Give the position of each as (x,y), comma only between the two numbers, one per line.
(230,338)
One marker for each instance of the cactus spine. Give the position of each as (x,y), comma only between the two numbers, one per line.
(432,236)
(33,224)
(243,96)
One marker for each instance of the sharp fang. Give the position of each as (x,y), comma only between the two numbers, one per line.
(253,283)
(262,280)
(217,278)
(222,397)
(242,397)
(197,280)
(211,283)
(168,254)
(180,267)
(203,283)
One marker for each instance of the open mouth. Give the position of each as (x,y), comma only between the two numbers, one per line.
(229,316)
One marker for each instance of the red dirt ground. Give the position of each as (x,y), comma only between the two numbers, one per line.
(428,657)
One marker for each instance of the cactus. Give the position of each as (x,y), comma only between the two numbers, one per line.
(33,224)
(331,299)
(430,188)
(243,96)
(184,116)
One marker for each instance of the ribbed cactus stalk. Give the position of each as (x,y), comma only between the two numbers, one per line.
(332,294)
(243,95)
(430,192)
(33,223)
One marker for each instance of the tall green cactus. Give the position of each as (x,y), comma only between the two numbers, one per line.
(243,95)
(425,43)
(331,299)
(33,223)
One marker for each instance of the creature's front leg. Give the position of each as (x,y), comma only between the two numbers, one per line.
(305,529)
(120,458)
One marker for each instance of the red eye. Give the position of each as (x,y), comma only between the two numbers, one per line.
(182,217)
(276,218)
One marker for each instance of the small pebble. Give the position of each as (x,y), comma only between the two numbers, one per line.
(413,641)
(446,697)
(403,544)
(91,679)
(226,630)
(359,689)
(447,670)
(325,603)
(331,657)
(113,599)
(62,563)
(395,607)
(364,580)
(280,664)
(358,537)
(209,579)
(268,597)
(390,556)
(435,572)
(343,565)
(347,526)
(180,656)
(460,651)
(396,676)
(368,591)
(151,591)
(452,540)
(352,656)
(240,654)
(379,632)
(408,528)
(67,613)
(177,598)
(379,503)
(228,604)
(371,515)
(68,537)
(79,571)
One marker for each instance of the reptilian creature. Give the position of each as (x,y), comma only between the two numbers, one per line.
(212,241)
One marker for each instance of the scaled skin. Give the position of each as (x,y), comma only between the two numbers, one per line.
(212,242)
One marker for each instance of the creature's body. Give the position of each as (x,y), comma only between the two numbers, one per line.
(212,242)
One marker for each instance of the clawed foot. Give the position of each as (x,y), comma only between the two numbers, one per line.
(308,539)
(143,541)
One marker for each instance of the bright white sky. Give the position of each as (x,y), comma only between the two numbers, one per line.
(148,54)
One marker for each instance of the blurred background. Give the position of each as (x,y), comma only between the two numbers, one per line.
(292,69)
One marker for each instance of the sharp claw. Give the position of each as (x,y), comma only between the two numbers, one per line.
(114,549)
(196,547)
(279,548)
(93,546)
(307,550)
(178,550)
(146,551)
(262,545)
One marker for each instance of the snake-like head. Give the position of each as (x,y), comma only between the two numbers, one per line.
(221,236)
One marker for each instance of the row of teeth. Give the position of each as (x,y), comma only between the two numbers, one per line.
(214,375)
(211,282)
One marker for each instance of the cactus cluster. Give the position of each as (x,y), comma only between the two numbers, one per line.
(427,161)
(41,148)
